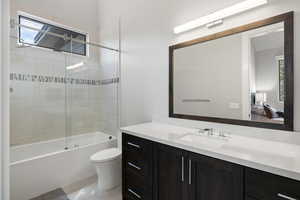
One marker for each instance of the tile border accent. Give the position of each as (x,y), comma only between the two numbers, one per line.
(60,79)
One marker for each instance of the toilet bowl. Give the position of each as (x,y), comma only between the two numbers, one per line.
(108,166)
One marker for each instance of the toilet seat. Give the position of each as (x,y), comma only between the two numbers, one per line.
(106,155)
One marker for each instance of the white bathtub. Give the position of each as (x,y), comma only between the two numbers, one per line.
(41,167)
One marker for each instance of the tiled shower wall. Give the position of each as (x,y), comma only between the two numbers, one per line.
(47,101)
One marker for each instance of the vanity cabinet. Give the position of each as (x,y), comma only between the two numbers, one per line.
(154,171)
(190,176)
(213,179)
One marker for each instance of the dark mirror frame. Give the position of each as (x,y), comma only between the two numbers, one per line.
(288,20)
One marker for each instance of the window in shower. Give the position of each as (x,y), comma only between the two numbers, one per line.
(42,33)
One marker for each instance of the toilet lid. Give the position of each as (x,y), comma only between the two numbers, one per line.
(106,154)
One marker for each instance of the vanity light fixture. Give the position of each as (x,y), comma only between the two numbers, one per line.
(220,15)
(215,23)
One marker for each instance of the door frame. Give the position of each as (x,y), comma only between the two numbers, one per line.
(4,100)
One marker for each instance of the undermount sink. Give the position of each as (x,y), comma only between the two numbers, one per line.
(205,141)
(245,147)
(252,146)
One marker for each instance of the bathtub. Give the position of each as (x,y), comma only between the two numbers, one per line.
(41,167)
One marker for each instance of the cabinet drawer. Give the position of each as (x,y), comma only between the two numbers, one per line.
(136,193)
(137,156)
(264,186)
(138,146)
(135,189)
(139,166)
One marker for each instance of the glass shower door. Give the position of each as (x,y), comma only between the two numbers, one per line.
(62,88)
(92,95)
(37,93)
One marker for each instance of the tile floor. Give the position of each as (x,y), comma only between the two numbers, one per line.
(89,193)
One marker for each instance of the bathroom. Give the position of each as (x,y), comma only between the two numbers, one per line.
(103,75)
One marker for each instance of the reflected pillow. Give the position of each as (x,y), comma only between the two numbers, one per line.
(272,112)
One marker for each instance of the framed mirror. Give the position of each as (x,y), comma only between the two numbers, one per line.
(242,76)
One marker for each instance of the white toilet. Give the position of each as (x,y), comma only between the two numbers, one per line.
(108,167)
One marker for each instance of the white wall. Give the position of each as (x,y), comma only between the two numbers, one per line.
(252,71)
(144,48)
(147,33)
(1,141)
(4,101)
(267,75)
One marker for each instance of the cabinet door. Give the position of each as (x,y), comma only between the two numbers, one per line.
(213,179)
(170,173)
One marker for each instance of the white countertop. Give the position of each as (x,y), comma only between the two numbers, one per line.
(275,157)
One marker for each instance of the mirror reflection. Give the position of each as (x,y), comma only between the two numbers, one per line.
(245,70)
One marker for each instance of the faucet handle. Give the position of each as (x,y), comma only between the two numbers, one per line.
(224,134)
(209,131)
(200,130)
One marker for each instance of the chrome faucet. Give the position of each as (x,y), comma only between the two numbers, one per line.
(209,131)
(212,132)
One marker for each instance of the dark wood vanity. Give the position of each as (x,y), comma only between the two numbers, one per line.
(156,171)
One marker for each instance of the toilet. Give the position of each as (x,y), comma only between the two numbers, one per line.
(108,166)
